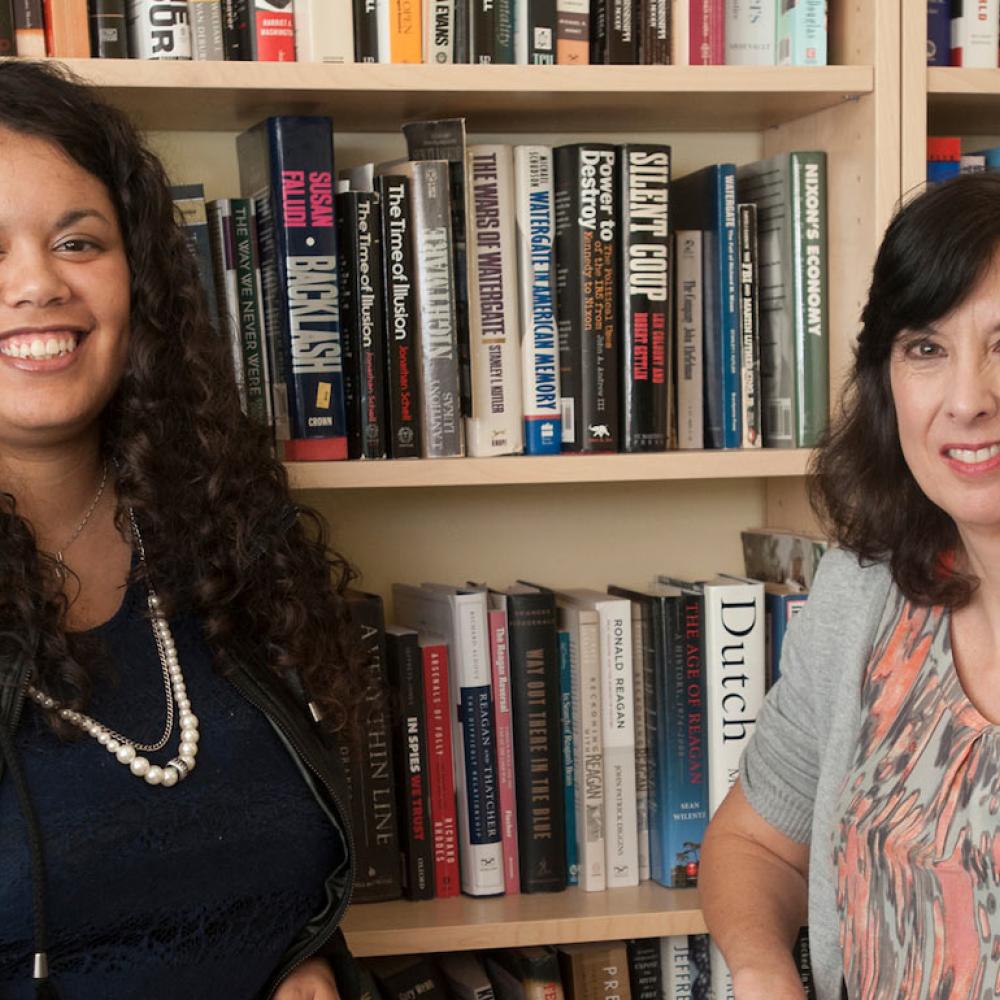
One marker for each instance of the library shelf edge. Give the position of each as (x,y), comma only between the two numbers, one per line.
(963,101)
(526,470)
(464,923)
(377,98)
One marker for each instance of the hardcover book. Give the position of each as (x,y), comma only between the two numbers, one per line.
(524,973)
(566,742)
(655,32)
(157,29)
(782,602)
(534,189)
(7,46)
(29,27)
(802,32)
(644,977)
(405,31)
(773,555)
(595,971)
(645,303)
(273,37)
(466,977)
(749,32)
(573,32)
(439,30)
(750,391)
(208,40)
(707,25)
(67,34)
(189,202)
(938,32)
(237,29)
(366,31)
(495,425)
(403,977)
(675,962)
(689,326)
(535,33)
(286,166)
(324,32)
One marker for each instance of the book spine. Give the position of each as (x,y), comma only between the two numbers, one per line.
(439,31)
(675,963)
(441,426)
(273,31)
(378,874)
(500,660)
(463,29)
(640,676)
(618,738)
(699,966)
(405,31)
(189,202)
(503,37)
(750,391)
(405,670)
(324,32)
(66,29)
(366,42)
(207,36)
(572,32)
(483,28)
(645,980)
(534,668)
(220,219)
(237,29)
(750,27)
(29,28)
(622,33)
(157,29)
(535,220)
(655,32)
(811,296)
(535,37)
(938,32)
(707,25)
(403,405)
(7,31)
(645,300)
(495,427)
(437,702)
(286,166)
(566,743)
(802,34)
(359,230)
(690,364)
(728,311)
(256,370)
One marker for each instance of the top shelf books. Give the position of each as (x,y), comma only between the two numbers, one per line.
(220,96)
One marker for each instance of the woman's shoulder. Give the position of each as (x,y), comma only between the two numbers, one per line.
(843,575)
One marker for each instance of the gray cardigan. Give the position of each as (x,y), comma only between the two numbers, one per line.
(807,732)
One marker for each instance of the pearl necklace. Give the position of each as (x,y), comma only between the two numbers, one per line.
(124,749)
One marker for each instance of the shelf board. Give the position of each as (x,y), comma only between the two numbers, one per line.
(522,470)
(463,923)
(221,96)
(963,101)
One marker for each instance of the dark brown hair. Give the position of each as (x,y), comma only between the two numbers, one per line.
(934,253)
(223,538)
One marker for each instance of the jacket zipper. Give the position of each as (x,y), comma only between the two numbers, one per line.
(321,939)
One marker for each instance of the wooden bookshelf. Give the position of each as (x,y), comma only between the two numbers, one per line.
(464,923)
(963,101)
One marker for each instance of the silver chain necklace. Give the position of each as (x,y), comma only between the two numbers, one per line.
(124,749)
(86,518)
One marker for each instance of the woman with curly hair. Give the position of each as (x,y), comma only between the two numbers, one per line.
(171,821)
(868,798)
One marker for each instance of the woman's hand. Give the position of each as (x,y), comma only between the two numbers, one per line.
(312,980)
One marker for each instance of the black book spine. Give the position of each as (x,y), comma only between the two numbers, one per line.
(541,16)
(644,972)
(237,29)
(365,31)
(533,638)
(599,31)
(655,32)
(8,46)
(750,386)
(108,28)
(503,32)
(484,31)
(463,47)
(369,765)
(406,680)
(400,311)
(646,308)
(362,328)
(623,36)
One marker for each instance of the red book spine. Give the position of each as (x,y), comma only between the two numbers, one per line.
(274,28)
(707,33)
(440,775)
(500,657)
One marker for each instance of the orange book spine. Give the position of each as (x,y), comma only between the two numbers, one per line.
(66,30)
(405,31)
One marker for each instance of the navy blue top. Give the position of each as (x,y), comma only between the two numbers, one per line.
(194,891)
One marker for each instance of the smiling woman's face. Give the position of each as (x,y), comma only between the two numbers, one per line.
(946,387)
(64,296)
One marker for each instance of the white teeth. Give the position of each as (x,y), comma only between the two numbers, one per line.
(970,456)
(39,349)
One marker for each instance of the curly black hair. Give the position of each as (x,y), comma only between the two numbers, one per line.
(223,538)
(935,252)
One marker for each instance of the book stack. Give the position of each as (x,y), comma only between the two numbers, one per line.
(963,33)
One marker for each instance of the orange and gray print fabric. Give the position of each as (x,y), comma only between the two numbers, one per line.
(917,851)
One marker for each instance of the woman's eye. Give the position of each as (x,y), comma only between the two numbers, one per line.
(922,349)
(78,245)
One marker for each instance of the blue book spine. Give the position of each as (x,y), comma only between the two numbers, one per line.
(286,166)
(779,610)
(728,264)
(938,33)
(566,743)
(942,170)
(482,789)
(992,157)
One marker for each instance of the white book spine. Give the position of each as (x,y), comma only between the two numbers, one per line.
(588,753)
(495,427)
(675,963)
(680,42)
(535,215)
(207,41)
(642,749)
(750,28)
(439,30)
(324,32)
(690,385)
(974,34)
(159,29)
(618,731)
(384,18)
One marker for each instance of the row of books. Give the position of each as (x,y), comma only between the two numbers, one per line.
(543,737)
(945,158)
(963,33)
(489,300)
(262,30)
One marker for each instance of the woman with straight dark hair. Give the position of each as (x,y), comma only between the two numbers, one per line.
(868,801)
(171,821)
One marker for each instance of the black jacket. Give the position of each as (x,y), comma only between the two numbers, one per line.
(317,760)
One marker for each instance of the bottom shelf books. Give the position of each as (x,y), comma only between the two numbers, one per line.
(668,968)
